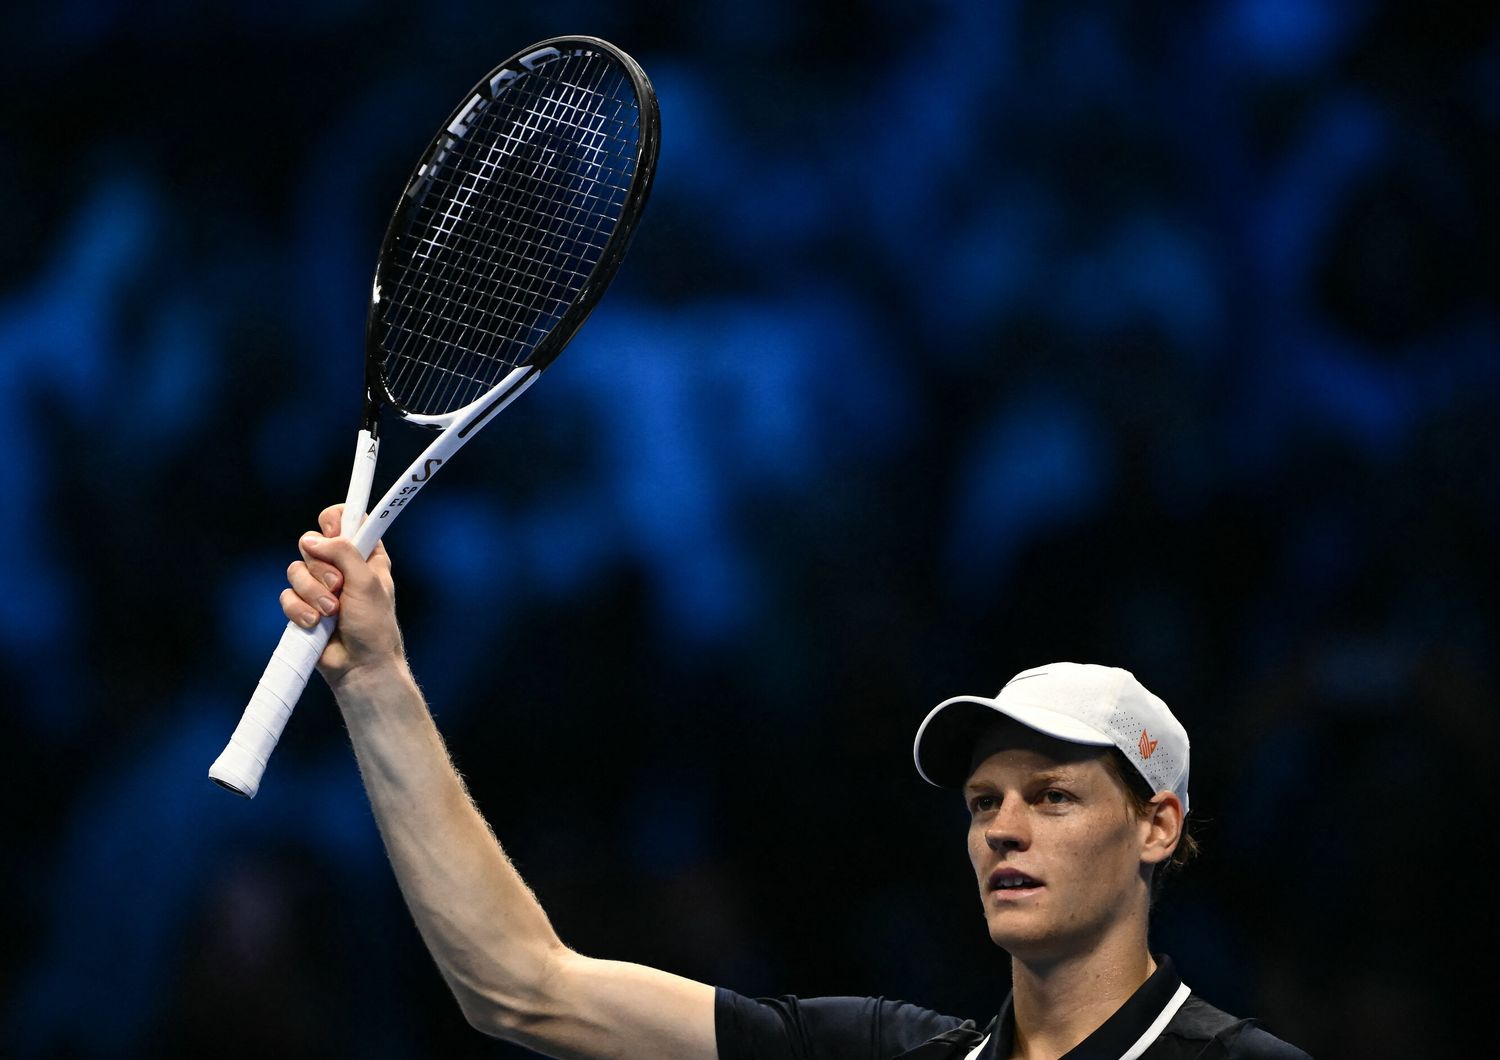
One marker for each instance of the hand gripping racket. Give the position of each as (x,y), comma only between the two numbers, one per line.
(505,237)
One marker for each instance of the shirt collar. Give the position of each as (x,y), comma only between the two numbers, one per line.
(1114,1036)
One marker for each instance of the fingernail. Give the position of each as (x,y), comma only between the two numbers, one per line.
(327,604)
(312,539)
(310,619)
(331,580)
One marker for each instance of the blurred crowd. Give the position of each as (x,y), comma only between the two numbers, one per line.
(959,337)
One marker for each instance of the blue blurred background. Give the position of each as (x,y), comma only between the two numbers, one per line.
(960,337)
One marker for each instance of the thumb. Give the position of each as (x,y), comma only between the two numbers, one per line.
(337,552)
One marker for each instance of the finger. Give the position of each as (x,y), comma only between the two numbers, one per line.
(330,518)
(310,588)
(331,577)
(339,553)
(297,610)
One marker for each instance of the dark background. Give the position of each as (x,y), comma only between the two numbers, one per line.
(960,337)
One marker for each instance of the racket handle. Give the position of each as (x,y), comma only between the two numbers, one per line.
(242,763)
(240,767)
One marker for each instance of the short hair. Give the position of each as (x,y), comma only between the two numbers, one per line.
(1138,795)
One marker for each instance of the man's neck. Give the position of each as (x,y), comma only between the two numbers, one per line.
(1057,1004)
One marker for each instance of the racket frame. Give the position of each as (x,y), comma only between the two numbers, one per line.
(377,391)
(241,765)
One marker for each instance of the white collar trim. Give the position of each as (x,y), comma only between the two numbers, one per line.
(1158,1025)
(1143,1042)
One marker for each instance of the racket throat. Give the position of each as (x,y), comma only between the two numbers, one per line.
(510,389)
(374,397)
(356,501)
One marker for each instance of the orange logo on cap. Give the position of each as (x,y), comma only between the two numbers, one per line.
(1148,745)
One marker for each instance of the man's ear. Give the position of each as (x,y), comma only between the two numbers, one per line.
(1163,828)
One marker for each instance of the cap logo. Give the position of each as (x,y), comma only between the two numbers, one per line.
(1147,745)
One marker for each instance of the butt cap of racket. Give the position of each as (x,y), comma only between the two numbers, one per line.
(243,762)
(237,771)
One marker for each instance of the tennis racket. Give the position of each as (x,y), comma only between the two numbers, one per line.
(505,237)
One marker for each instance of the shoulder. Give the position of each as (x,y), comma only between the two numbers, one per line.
(1217,1034)
(768,1028)
(1254,1043)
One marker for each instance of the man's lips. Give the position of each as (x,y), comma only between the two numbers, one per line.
(1006,882)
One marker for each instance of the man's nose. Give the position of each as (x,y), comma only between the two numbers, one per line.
(1008,829)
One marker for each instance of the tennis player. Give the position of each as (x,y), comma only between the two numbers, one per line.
(1076,782)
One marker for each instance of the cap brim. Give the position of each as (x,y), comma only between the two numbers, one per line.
(945,740)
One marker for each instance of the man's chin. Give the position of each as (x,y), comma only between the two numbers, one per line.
(1030,939)
(1016,939)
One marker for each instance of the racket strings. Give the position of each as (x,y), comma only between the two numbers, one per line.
(464,315)
(516,217)
(516,302)
(446,210)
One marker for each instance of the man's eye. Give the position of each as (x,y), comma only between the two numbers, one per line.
(1054,797)
(982,803)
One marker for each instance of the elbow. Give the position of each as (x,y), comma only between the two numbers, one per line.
(517,1015)
(479,1012)
(506,1022)
(529,1028)
(488,1020)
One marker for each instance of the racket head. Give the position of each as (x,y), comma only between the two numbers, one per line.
(513,223)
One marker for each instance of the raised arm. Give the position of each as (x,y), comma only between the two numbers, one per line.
(491,939)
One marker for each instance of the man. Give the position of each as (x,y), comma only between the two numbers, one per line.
(1063,852)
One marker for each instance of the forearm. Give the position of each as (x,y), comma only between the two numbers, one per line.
(485,929)
(488,934)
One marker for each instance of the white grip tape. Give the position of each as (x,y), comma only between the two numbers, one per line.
(243,762)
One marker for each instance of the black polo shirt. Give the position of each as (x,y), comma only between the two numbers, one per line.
(1160,1021)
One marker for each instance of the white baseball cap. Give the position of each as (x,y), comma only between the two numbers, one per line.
(1102,706)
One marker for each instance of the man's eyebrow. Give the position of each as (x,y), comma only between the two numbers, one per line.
(1050,775)
(1057,775)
